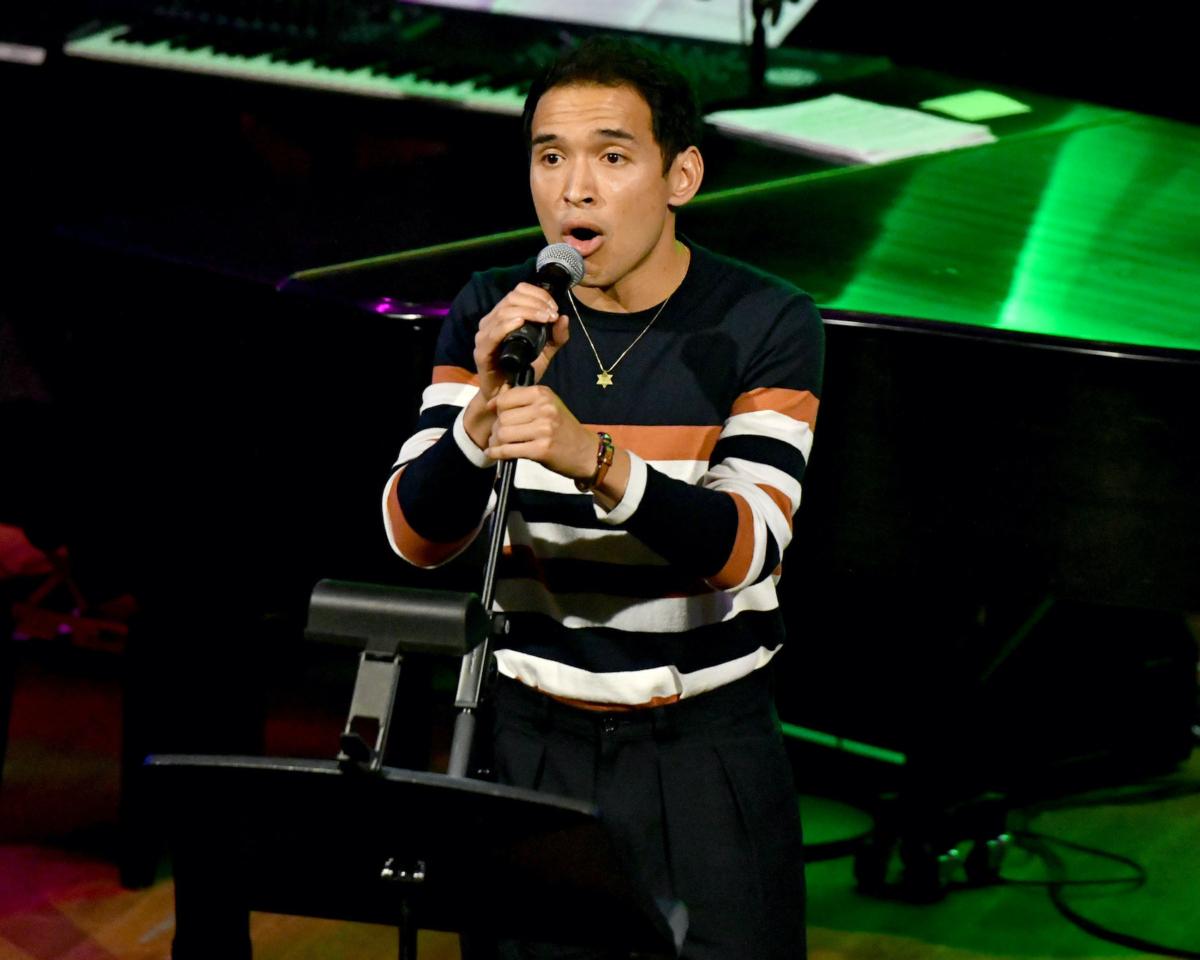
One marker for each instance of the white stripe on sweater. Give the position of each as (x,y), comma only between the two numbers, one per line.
(770,423)
(443,394)
(652,615)
(418,443)
(631,687)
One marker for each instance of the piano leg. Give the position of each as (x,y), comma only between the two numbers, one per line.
(212,920)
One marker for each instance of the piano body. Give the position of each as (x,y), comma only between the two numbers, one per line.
(1007,442)
(1003,491)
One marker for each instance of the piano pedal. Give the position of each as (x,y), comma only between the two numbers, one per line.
(921,856)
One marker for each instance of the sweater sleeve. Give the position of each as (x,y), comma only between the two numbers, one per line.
(732,527)
(440,491)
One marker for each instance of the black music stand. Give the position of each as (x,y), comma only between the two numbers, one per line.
(352,839)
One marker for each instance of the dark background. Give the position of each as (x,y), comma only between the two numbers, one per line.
(1140,57)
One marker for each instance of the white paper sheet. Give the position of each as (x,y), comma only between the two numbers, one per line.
(848,130)
(727,21)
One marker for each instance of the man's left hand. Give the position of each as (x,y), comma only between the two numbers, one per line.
(532,423)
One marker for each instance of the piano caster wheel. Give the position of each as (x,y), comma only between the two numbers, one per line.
(983,862)
(909,870)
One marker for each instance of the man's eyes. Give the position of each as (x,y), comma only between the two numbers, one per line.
(609,157)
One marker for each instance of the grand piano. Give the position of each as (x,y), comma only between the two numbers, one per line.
(1000,528)
(230,266)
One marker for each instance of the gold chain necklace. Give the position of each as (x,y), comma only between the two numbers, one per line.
(604,377)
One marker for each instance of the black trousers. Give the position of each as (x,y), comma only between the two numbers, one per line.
(699,794)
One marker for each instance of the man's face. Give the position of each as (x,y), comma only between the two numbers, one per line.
(596,175)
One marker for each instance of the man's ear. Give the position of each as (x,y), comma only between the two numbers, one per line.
(684,177)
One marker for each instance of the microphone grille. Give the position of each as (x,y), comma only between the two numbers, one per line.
(565,256)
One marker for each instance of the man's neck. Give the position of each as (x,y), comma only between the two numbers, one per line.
(642,290)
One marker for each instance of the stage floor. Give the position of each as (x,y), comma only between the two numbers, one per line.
(60,896)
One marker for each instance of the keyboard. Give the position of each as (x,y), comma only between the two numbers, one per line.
(477,61)
(294,64)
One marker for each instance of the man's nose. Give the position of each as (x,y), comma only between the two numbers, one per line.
(580,187)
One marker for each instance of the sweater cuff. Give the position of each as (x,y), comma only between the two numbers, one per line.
(634,491)
(467,445)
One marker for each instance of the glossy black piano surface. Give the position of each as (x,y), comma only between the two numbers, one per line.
(1018,321)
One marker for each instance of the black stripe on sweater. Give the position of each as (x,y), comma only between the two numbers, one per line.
(612,651)
(570,575)
(767,450)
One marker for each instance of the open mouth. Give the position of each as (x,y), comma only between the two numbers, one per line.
(584,239)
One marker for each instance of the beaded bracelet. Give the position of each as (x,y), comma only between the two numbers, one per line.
(604,459)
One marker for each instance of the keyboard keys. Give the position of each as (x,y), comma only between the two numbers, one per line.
(414,55)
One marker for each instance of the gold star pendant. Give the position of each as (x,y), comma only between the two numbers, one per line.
(604,379)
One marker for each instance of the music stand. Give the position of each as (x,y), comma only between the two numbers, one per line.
(355,840)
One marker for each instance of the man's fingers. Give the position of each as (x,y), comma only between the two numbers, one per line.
(530,431)
(528,290)
(524,416)
(527,441)
(531,307)
(539,399)
(512,317)
(560,333)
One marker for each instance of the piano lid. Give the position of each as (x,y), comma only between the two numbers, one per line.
(1085,231)
(1079,223)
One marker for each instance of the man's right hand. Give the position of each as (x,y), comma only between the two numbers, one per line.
(524,304)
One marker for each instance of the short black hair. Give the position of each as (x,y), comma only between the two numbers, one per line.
(610,61)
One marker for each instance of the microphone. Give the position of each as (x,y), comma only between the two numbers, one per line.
(559,267)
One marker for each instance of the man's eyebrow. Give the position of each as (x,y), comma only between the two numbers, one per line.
(605,133)
(611,133)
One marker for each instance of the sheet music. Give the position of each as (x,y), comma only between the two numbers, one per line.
(976,105)
(725,21)
(848,130)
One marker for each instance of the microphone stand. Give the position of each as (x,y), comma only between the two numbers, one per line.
(474,666)
(757,64)
(757,54)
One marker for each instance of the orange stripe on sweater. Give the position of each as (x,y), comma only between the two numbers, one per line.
(797,404)
(415,548)
(663,443)
(781,501)
(613,707)
(738,564)
(448,374)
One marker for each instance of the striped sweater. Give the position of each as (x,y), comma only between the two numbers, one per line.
(673,591)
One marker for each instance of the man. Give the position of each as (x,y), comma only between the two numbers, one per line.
(660,454)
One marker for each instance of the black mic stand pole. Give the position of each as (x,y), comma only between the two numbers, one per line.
(757,55)
(757,66)
(475,663)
